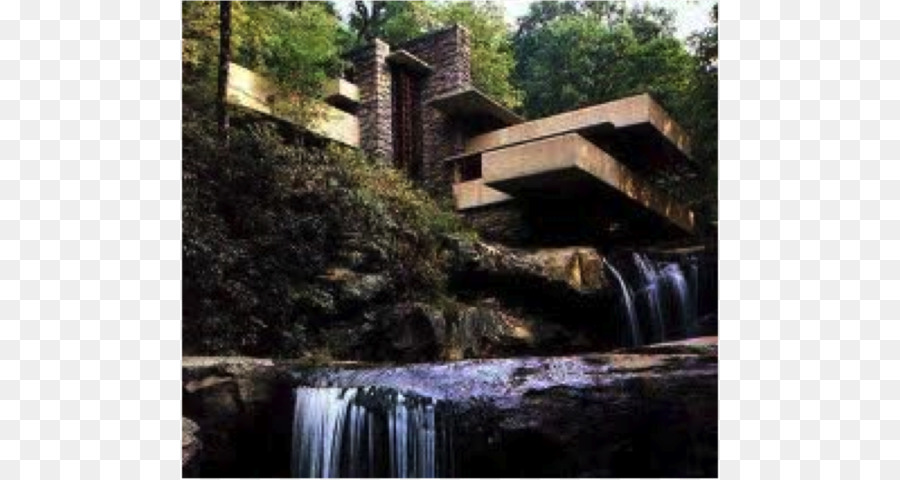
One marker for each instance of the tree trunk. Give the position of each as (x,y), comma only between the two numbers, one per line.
(224,60)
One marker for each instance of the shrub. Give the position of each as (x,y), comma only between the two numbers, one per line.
(264,227)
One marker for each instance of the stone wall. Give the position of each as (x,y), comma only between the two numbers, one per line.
(448,52)
(373,77)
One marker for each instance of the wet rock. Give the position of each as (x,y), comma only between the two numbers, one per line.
(646,412)
(354,287)
(411,332)
(190,443)
(564,287)
(449,330)
(571,268)
(580,267)
(583,415)
(238,406)
(485,330)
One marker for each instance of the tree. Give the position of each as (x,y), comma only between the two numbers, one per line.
(578,61)
(702,107)
(224,60)
(608,13)
(596,52)
(540,14)
(650,23)
(493,59)
(367,19)
(297,48)
(407,20)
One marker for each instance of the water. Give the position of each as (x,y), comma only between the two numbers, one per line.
(628,303)
(368,432)
(660,300)
(649,288)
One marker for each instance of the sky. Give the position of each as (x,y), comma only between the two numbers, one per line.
(692,15)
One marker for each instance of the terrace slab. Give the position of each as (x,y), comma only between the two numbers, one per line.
(471,105)
(409,61)
(250,90)
(341,94)
(637,129)
(475,194)
(570,167)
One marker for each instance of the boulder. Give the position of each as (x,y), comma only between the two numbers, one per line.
(645,412)
(410,331)
(649,412)
(353,287)
(190,443)
(579,269)
(448,330)
(567,287)
(237,408)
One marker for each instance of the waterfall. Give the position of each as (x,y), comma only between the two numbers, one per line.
(681,295)
(368,432)
(650,291)
(628,302)
(661,296)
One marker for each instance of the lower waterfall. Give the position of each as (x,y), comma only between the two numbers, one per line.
(368,432)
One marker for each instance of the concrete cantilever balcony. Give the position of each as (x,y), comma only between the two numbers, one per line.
(569,167)
(636,130)
(253,91)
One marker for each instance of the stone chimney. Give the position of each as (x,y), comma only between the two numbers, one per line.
(373,77)
(447,53)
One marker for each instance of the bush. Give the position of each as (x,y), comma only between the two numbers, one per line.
(265,228)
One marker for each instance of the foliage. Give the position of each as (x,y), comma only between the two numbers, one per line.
(492,55)
(406,20)
(493,61)
(265,227)
(577,61)
(579,54)
(702,107)
(298,48)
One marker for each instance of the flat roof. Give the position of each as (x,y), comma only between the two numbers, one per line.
(410,61)
(637,130)
(568,166)
(473,104)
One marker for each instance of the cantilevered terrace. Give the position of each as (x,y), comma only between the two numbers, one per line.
(596,155)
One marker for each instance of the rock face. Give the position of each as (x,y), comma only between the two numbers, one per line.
(238,407)
(507,302)
(562,294)
(647,412)
(190,443)
(576,268)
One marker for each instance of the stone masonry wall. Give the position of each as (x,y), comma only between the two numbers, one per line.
(448,52)
(373,77)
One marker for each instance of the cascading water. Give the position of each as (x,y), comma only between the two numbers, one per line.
(682,296)
(628,303)
(368,432)
(660,298)
(650,291)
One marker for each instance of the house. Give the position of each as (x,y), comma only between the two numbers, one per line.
(582,176)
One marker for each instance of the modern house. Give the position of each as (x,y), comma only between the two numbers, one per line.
(583,175)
